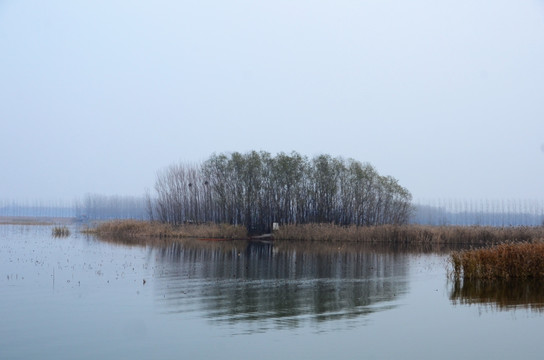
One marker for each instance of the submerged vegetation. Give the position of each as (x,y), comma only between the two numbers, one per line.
(504,261)
(256,189)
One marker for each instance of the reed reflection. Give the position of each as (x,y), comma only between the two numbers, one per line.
(248,281)
(499,295)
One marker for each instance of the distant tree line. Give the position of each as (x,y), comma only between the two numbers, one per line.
(256,189)
(90,207)
(489,212)
(37,208)
(103,207)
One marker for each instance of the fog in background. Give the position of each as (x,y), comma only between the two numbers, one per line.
(446,96)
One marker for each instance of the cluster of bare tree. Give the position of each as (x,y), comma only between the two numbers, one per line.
(256,189)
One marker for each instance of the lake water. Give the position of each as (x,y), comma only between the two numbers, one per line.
(83,298)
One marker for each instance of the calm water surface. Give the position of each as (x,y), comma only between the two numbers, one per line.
(83,298)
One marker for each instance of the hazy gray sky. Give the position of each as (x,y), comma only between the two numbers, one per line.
(446,96)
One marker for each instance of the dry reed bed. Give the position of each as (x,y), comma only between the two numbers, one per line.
(134,228)
(505,261)
(473,235)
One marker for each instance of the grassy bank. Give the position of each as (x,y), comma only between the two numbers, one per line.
(415,234)
(505,261)
(134,228)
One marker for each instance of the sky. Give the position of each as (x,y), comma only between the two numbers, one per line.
(445,96)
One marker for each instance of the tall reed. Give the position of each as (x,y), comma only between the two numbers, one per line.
(446,235)
(505,261)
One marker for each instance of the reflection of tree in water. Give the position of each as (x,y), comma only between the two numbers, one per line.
(247,281)
(500,295)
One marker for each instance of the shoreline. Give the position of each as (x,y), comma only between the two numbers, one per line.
(36,220)
(401,234)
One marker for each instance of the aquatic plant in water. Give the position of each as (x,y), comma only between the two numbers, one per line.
(60,231)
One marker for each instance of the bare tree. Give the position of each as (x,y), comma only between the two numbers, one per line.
(255,189)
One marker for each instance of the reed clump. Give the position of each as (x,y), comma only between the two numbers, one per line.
(135,228)
(505,261)
(415,234)
(60,231)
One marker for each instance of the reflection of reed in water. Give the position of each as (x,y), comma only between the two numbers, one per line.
(60,231)
(500,294)
(248,282)
(287,245)
(356,247)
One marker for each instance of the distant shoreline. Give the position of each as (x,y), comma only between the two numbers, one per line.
(393,234)
(35,220)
